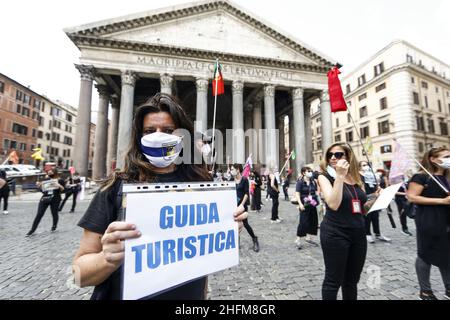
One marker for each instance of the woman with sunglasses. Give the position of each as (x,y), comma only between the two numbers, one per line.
(342,231)
(432,220)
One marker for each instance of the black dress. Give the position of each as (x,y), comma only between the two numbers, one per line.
(309,221)
(256,199)
(433,223)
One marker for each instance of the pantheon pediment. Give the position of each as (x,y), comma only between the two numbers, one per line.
(212,27)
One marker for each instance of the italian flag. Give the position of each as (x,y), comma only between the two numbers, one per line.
(218,87)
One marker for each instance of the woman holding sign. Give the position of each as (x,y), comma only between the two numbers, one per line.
(432,219)
(342,232)
(100,257)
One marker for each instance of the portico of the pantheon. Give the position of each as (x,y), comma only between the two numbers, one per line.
(268,75)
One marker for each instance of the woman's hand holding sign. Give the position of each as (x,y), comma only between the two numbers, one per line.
(113,246)
(239,215)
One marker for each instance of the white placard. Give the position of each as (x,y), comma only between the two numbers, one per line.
(187,232)
(385,197)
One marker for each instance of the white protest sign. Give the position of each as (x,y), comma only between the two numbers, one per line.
(385,197)
(187,232)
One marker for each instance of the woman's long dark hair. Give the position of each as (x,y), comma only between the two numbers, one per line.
(136,167)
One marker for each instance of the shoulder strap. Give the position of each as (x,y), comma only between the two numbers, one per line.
(118,202)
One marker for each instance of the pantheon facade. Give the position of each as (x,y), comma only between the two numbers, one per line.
(268,75)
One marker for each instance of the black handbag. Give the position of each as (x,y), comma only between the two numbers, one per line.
(410,209)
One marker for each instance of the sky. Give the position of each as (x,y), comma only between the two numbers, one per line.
(35,51)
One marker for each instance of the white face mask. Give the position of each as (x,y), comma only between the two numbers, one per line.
(445,163)
(366,168)
(161,149)
(309,174)
(331,171)
(233,172)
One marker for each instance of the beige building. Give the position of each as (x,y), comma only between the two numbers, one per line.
(56,132)
(400,93)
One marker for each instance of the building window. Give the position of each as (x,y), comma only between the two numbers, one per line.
(437,90)
(409,58)
(6,144)
(439,106)
(33,133)
(40,134)
(426,102)
(420,123)
(69,117)
(378,69)
(49,124)
(22,146)
(430,125)
(68,152)
(416,98)
(19,108)
(25,112)
(349,136)
(41,121)
(349,118)
(348,88)
(55,136)
(43,106)
(364,132)
(36,104)
(361,80)
(386,149)
(444,127)
(48,149)
(363,112)
(421,147)
(26,99)
(13,144)
(383,103)
(319,144)
(383,127)
(32,147)
(337,138)
(380,87)
(68,140)
(362,97)
(19,95)
(319,131)
(20,129)
(424,85)
(337,122)
(412,79)
(2,87)
(47,136)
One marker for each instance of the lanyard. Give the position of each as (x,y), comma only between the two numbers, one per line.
(351,195)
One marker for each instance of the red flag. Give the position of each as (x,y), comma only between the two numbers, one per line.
(218,81)
(337,101)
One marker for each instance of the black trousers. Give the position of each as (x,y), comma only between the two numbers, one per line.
(344,252)
(275,204)
(4,195)
(374,219)
(248,228)
(74,200)
(42,207)
(401,203)
(285,191)
(257,199)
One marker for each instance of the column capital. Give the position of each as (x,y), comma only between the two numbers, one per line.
(129,77)
(237,87)
(115,101)
(201,84)
(166,80)
(86,72)
(103,91)
(269,90)
(248,107)
(297,93)
(324,96)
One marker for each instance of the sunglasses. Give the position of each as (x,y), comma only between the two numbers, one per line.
(337,155)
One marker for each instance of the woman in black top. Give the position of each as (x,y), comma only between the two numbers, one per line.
(342,231)
(73,186)
(51,197)
(432,220)
(242,193)
(401,201)
(256,199)
(306,194)
(4,191)
(99,259)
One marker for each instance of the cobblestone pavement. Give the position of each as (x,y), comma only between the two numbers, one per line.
(39,267)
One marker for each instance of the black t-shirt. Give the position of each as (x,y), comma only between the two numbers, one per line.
(242,189)
(305,190)
(343,217)
(433,222)
(56,192)
(102,211)
(273,193)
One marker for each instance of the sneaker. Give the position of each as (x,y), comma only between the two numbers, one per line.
(427,296)
(370,239)
(312,242)
(382,238)
(447,294)
(297,242)
(71,211)
(29,233)
(5,212)
(275,221)
(53,228)
(407,232)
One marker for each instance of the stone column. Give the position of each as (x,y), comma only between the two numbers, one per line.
(299,127)
(166,81)
(309,155)
(238,122)
(83,121)
(292,144)
(257,126)
(327,122)
(249,137)
(129,79)
(269,120)
(101,134)
(113,132)
(281,144)
(202,105)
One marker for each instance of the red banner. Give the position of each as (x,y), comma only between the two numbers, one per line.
(337,100)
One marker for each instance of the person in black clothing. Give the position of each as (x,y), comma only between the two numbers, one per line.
(99,259)
(51,197)
(256,205)
(4,191)
(401,201)
(273,192)
(342,231)
(306,195)
(242,192)
(432,219)
(73,186)
(286,188)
